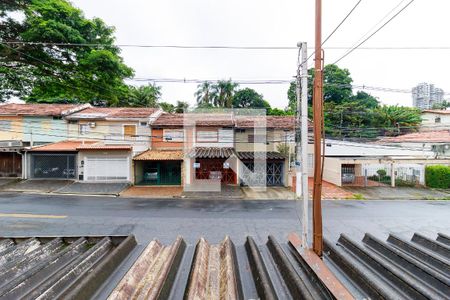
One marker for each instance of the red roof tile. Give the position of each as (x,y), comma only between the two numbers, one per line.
(166,119)
(63,146)
(101,146)
(440,136)
(36,109)
(280,122)
(114,112)
(207,120)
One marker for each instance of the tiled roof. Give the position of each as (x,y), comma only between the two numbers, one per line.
(260,155)
(226,120)
(114,113)
(277,122)
(37,109)
(63,146)
(168,120)
(59,267)
(437,111)
(102,146)
(207,120)
(440,136)
(211,152)
(160,155)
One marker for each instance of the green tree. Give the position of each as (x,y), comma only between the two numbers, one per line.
(337,86)
(223,93)
(167,107)
(204,94)
(181,106)
(57,72)
(366,99)
(145,96)
(396,119)
(249,98)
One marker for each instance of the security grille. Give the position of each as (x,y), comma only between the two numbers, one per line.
(255,175)
(58,166)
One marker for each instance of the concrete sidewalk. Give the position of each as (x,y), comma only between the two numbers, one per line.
(269,193)
(399,193)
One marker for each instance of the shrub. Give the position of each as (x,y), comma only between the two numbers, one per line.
(401,182)
(381,173)
(437,176)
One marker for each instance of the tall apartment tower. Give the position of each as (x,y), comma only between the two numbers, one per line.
(425,95)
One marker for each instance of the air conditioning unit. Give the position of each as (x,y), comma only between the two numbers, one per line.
(92,124)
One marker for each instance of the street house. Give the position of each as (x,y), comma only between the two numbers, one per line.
(119,133)
(23,125)
(253,144)
(163,163)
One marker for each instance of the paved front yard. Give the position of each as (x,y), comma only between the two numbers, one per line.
(91,188)
(37,185)
(152,191)
(400,193)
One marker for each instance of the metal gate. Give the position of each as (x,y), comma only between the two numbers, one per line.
(273,174)
(213,169)
(57,166)
(10,164)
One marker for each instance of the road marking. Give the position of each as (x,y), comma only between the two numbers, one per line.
(33,216)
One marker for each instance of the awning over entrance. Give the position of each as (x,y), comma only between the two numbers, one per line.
(211,152)
(260,155)
(160,155)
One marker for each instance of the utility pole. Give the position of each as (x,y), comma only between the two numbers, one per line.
(302,140)
(318,120)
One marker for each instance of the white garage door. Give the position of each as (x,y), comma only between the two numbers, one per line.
(107,168)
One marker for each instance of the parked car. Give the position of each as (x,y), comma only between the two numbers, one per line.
(348,178)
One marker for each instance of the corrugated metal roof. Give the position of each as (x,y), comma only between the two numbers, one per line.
(260,155)
(211,152)
(395,269)
(160,155)
(59,268)
(371,269)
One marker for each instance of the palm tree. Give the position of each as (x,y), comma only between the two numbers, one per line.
(204,94)
(394,117)
(145,95)
(223,93)
(181,106)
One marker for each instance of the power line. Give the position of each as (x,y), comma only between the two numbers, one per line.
(231,47)
(375,32)
(342,22)
(56,76)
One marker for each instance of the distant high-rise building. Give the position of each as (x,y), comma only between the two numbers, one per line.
(426,95)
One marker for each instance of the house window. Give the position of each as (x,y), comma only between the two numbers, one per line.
(207,136)
(173,135)
(84,129)
(437,120)
(5,125)
(143,124)
(252,138)
(129,130)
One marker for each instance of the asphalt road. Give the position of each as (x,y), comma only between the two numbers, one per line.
(42,215)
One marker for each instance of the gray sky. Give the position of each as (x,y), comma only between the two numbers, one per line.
(276,23)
